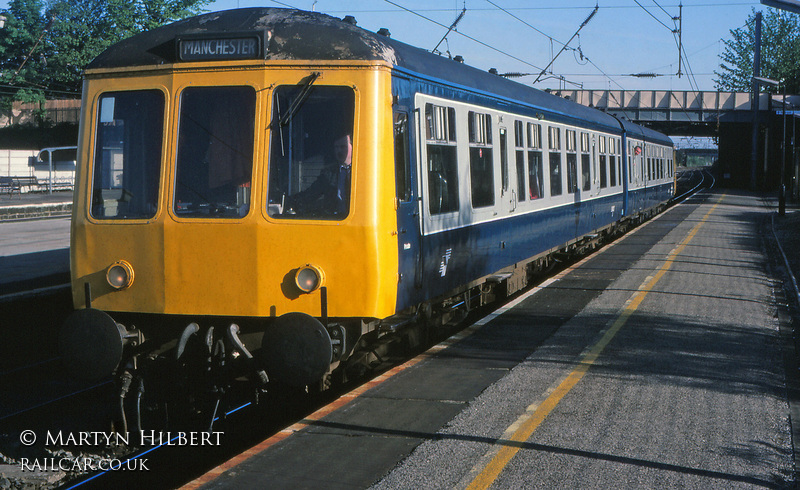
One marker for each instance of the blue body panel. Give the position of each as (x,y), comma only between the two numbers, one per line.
(453,258)
(434,264)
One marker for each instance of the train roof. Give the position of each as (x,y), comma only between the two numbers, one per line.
(286,34)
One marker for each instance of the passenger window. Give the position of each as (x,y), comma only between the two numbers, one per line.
(127,155)
(584,142)
(586,172)
(612,162)
(603,164)
(536,175)
(535,162)
(631,166)
(642,174)
(630,169)
(586,163)
(571,141)
(572,173)
(311,152)
(504,159)
(603,172)
(572,163)
(554,138)
(554,142)
(440,131)
(519,151)
(555,174)
(612,170)
(480,160)
(214,161)
(534,136)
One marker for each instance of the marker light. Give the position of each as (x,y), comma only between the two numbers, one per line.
(309,278)
(120,275)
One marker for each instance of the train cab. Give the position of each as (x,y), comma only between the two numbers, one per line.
(221,179)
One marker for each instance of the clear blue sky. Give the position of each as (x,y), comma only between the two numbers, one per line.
(515,35)
(622,38)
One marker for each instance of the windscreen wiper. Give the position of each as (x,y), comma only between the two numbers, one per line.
(298,101)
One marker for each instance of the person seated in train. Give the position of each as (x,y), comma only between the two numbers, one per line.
(329,194)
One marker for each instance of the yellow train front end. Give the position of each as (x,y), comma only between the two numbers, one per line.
(217,192)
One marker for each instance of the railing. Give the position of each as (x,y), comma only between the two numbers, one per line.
(52,182)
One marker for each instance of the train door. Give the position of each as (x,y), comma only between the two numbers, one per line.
(636,150)
(625,174)
(508,174)
(408,222)
(639,175)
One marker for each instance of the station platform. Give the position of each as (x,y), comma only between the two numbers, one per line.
(31,205)
(34,252)
(659,361)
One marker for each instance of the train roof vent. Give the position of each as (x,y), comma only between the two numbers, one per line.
(458,58)
(350,19)
(384,32)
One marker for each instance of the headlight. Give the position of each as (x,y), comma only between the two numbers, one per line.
(120,275)
(309,278)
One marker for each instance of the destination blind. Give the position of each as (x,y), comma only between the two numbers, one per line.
(235,48)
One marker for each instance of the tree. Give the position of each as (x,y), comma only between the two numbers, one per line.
(780,53)
(46,44)
(22,33)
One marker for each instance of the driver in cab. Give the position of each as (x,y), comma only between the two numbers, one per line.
(329,194)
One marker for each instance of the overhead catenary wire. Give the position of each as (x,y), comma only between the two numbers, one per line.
(478,9)
(450,29)
(653,16)
(551,38)
(689,71)
(465,35)
(658,10)
(583,24)
(676,34)
(565,47)
(662,9)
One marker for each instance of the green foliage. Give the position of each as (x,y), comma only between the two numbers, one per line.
(46,44)
(780,53)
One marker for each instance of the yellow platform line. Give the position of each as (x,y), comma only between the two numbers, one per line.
(536,413)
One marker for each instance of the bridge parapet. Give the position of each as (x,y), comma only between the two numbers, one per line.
(678,100)
(690,113)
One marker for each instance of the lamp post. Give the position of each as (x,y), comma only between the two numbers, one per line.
(790,6)
(782,191)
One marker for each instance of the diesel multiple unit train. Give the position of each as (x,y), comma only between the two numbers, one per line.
(280,190)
